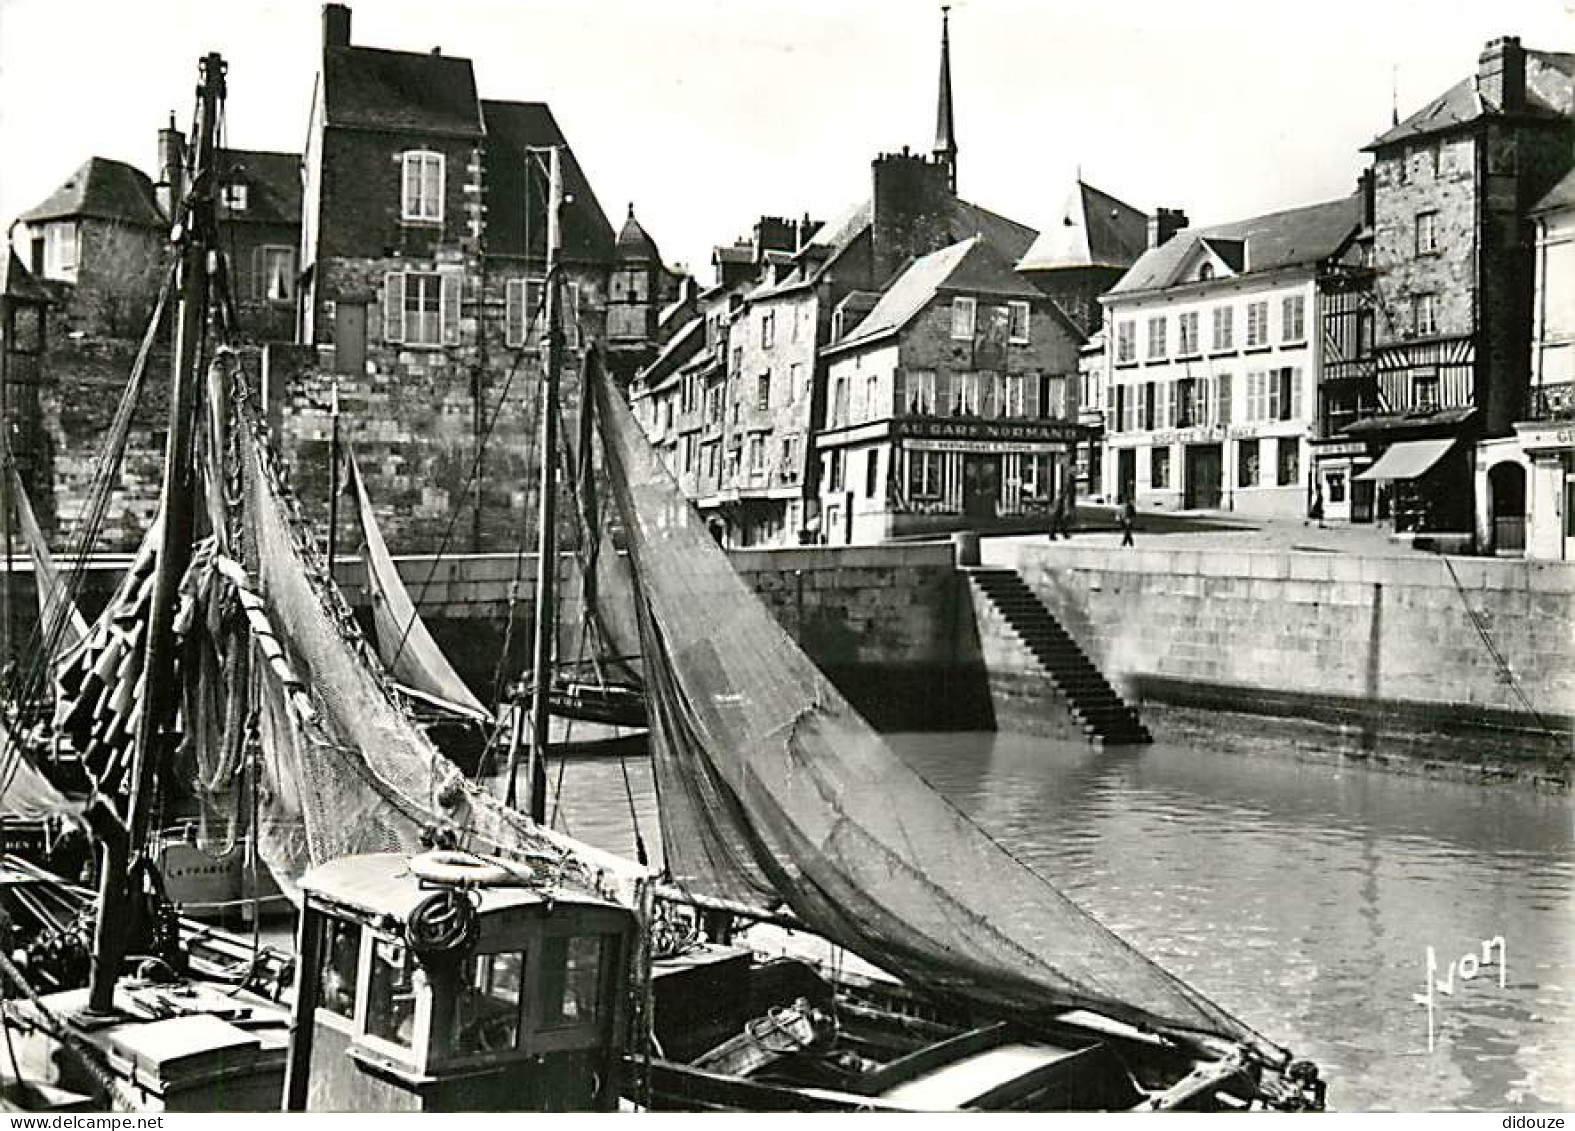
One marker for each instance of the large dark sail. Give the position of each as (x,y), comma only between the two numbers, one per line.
(784,794)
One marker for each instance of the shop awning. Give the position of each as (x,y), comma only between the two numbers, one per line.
(1410,459)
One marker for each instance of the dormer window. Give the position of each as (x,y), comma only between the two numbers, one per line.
(1206,272)
(234,197)
(422,197)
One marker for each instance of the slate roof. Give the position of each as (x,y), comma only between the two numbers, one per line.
(16,281)
(1561,195)
(635,244)
(371,88)
(273,185)
(1095,230)
(663,372)
(972,266)
(1280,239)
(516,209)
(102,189)
(1549,79)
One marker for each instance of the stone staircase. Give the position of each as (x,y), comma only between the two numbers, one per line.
(1105,717)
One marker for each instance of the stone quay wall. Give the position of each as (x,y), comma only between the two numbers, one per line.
(1467,660)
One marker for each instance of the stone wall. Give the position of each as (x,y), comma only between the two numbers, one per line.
(1380,645)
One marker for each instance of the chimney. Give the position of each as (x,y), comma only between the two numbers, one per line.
(170,186)
(1165,223)
(1501,74)
(773,233)
(1364,188)
(912,204)
(336,25)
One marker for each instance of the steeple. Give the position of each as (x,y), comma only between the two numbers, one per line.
(945,134)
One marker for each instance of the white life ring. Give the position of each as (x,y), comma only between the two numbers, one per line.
(447,866)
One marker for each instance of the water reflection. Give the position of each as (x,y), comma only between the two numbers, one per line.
(1301,896)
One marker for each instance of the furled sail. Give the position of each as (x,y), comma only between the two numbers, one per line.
(774,790)
(403,642)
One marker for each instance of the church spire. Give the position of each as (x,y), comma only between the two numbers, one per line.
(945,132)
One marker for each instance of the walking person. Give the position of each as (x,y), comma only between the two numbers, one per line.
(1128,521)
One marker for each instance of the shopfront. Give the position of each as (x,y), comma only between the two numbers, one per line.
(1339,487)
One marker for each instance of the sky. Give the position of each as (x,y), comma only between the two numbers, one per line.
(707,114)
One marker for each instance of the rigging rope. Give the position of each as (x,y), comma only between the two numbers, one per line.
(1505,672)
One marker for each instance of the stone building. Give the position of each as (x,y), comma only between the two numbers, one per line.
(100,242)
(952,403)
(1453,274)
(1536,466)
(752,399)
(1213,358)
(424,236)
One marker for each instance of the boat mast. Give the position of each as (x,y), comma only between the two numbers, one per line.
(193,233)
(546,533)
(334,483)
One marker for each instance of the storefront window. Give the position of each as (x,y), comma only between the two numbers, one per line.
(1289,461)
(391,993)
(1159,468)
(1247,463)
(571,980)
(341,962)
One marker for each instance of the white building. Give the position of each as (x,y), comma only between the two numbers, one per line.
(1525,483)
(1213,359)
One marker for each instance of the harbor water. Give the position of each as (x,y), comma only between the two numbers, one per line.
(1302,896)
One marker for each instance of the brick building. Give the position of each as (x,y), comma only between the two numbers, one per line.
(1453,274)
(424,236)
(1214,357)
(952,403)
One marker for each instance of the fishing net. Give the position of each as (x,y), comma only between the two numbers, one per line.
(772,789)
(345,769)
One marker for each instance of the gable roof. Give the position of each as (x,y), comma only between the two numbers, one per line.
(972,266)
(1095,230)
(1561,195)
(1549,76)
(372,88)
(273,185)
(516,207)
(105,190)
(1272,242)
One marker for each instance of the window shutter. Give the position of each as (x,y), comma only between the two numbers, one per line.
(1296,390)
(450,306)
(570,298)
(514,313)
(438,160)
(394,307)
(1224,397)
(259,276)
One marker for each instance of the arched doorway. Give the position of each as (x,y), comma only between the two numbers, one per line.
(1507,504)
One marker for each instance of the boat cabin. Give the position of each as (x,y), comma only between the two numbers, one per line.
(528,1013)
